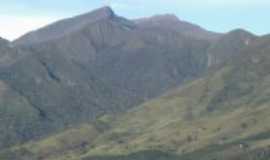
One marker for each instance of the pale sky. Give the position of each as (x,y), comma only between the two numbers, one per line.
(21,16)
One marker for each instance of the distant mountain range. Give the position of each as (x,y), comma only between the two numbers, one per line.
(100,86)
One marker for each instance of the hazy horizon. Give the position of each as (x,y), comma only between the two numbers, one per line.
(213,15)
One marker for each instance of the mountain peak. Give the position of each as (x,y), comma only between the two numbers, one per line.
(105,9)
(103,12)
(239,31)
(241,35)
(66,26)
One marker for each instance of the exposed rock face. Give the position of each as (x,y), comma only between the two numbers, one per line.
(213,111)
(77,69)
(66,27)
(228,46)
(170,21)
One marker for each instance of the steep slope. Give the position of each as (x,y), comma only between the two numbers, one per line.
(3,41)
(78,69)
(224,112)
(10,54)
(228,46)
(64,27)
(222,115)
(17,115)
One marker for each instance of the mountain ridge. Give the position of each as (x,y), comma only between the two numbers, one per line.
(171,21)
(59,28)
(229,46)
(112,87)
(90,69)
(222,112)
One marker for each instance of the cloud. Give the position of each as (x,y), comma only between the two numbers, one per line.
(15,26)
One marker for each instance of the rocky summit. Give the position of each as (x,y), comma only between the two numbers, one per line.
(100,86)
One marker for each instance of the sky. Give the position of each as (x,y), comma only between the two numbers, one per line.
(18,17)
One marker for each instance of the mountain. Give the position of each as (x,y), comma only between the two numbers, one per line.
(3,41)
(64,27)
(75,24)
(228,46)
(172,22)
(99,86)
(222,115)
(78,69)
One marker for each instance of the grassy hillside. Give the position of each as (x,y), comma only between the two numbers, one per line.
(223,115)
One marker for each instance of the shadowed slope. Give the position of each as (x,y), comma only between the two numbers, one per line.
(222,115)
(78,69)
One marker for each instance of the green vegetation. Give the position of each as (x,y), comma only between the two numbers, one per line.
(75,70)
(222,115)
(69,104)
